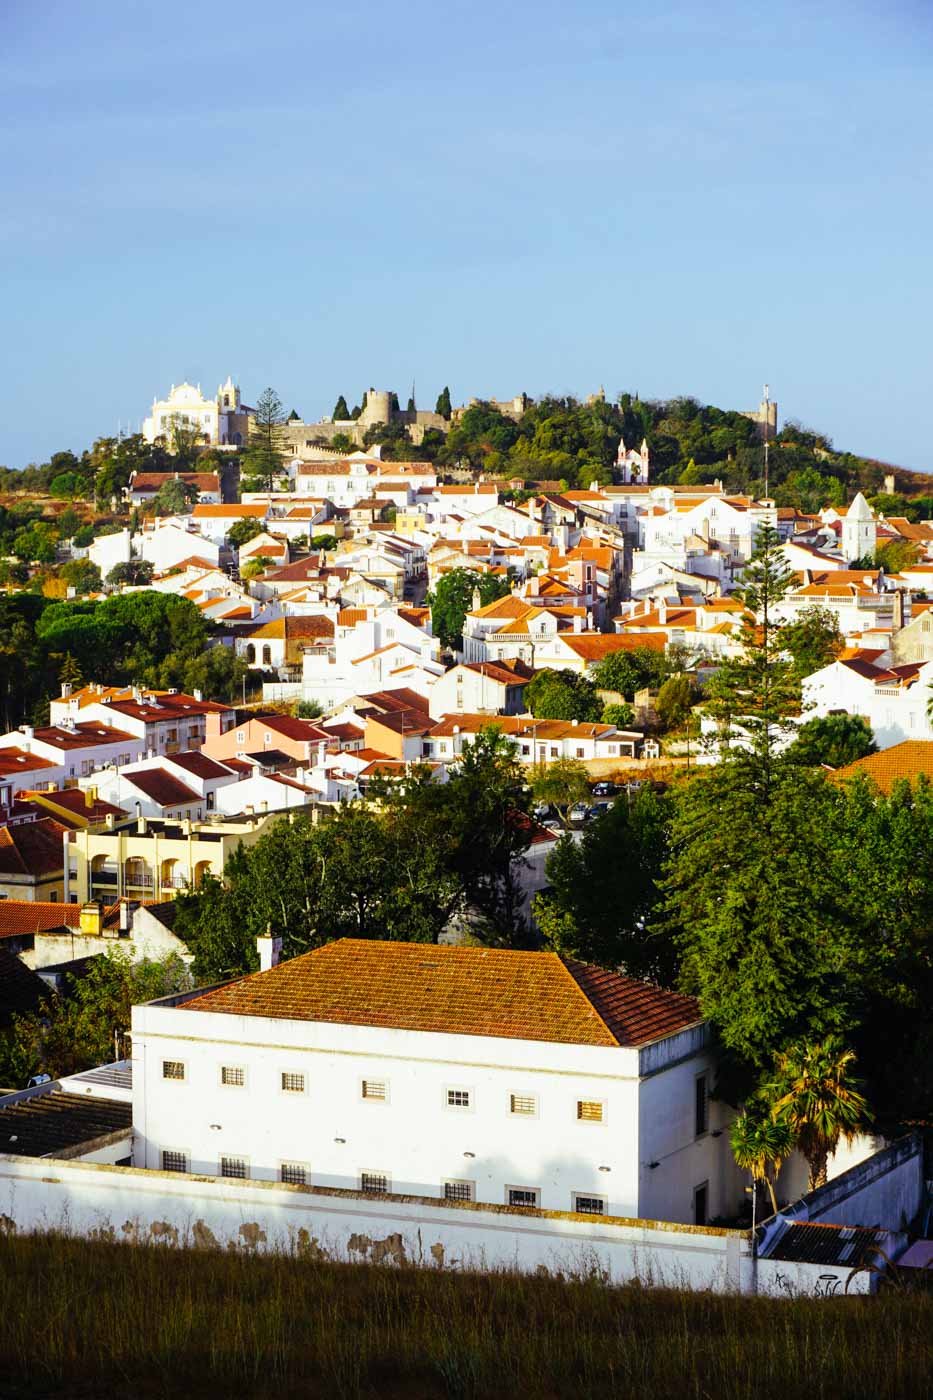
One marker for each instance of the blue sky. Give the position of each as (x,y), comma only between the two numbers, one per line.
(662,197)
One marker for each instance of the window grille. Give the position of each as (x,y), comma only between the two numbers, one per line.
(458,1191)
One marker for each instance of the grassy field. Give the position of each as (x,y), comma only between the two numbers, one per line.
(97,1319)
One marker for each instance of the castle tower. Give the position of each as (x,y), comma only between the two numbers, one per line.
(859,532)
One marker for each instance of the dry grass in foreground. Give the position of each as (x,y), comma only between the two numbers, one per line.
(98,1319)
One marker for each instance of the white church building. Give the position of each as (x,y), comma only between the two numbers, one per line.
(464,1073)
(221,421)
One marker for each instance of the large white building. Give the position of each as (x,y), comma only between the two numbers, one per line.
(524,1079)
(223,420)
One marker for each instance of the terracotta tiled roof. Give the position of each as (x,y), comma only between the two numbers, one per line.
(457,991)
(597,645)
(237,511)
(161,787)
(15,762)
(32,848)
(154,481)
(911,759)
(505,672)
(200,765)
(23,916)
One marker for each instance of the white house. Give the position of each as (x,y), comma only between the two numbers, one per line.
(107,551)
(480,687)
(465,1073)
(170,542)
(893,699)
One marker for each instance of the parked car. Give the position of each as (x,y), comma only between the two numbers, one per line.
(605,789)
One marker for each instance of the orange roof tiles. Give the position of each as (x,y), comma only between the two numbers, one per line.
(595,646)
(24,916)
(908,760)
(457,991)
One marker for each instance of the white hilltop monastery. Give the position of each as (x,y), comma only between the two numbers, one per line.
(223,421)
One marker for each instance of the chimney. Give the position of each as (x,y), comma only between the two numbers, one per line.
(91,919)
(142,825)
(66,689)
(662,614)
(270,950)
(198,695)
(577,623)
(897,617)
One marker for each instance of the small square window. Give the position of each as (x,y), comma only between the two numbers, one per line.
(376,1182)
(376,1089)
(174,1161)
(234,1076)
(590,1110)
(173,1069)
(294,1174)
(234,1166)
(458,1098)
(528,1196)
(459,1191)
(586,1204)
(523,1105)
(292,1083)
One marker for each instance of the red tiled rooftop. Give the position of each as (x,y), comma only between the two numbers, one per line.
(458,991)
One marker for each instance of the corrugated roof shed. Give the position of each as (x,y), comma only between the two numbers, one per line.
(56,1123)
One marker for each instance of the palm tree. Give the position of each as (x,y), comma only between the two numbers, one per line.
(761,1146)
(813,1094)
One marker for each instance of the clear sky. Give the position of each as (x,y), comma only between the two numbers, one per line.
(668,197)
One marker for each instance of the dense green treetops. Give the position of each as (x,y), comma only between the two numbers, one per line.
(401,868)
(563,695)
(454,597)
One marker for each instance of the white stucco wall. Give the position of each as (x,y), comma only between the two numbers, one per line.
(414,1137)
(129,1204)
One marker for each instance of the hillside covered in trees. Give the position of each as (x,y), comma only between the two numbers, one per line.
(557,440)
(575,442)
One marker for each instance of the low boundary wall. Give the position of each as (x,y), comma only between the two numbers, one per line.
(99,1201)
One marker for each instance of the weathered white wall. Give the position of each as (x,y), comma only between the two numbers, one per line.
(128,1204)
(781,1278)
(414,1137)
(96,1200)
